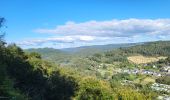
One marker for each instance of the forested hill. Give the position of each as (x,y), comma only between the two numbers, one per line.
(158,48)
(51,54)
(28,77)
(145,48)
(48,52)
(112,51)
(83,50)
(97,48)
(44,50)
(68,54)
(153,48)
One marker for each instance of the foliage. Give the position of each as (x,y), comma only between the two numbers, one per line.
(129,94)
(123,76)
(159,48)
(93,89)
(60,87)
(164,80)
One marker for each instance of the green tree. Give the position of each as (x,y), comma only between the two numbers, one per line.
(93,89)
(60,87)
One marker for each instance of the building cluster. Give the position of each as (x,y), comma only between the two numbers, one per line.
(161,87)
(166,69)
(142,71)
(164,97)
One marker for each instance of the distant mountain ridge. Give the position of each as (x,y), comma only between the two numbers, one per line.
(69,54)
(83,49)
(89,50)
(60,55)
(99,47)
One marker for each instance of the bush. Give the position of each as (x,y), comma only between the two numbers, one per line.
(164,80)
(93,89)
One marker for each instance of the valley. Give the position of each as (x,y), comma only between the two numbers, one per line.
(84,50)
(131,65)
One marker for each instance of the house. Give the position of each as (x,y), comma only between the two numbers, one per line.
(154,66)
(161,87)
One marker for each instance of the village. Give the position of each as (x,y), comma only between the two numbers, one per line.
(162,72)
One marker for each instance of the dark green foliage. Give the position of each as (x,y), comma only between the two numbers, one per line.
(151,48)
(123,76)
(60,87)
(28,74)
(159,48)
(29,81)
(92,89)
(164,80)
(116,55)
(7,89)
(168,59)
(35,54)
(161,63)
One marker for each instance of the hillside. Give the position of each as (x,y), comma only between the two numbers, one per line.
(68,54)
(45,52)
(50,54)
(151,48)
(97,48)
(85,50)
(25,76)
(109,53)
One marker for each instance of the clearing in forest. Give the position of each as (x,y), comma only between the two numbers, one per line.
(142,59)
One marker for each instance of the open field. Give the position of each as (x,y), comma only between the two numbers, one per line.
(142,59)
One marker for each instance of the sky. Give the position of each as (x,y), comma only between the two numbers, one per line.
(73,23)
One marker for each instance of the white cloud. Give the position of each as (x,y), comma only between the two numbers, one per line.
(103,32)
(61,39)
(83,38)
(113,28)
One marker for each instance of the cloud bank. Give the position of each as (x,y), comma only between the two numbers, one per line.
(61,39)
(113,31)
(113,28)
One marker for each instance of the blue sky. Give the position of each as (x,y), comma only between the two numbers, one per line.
(72,23)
